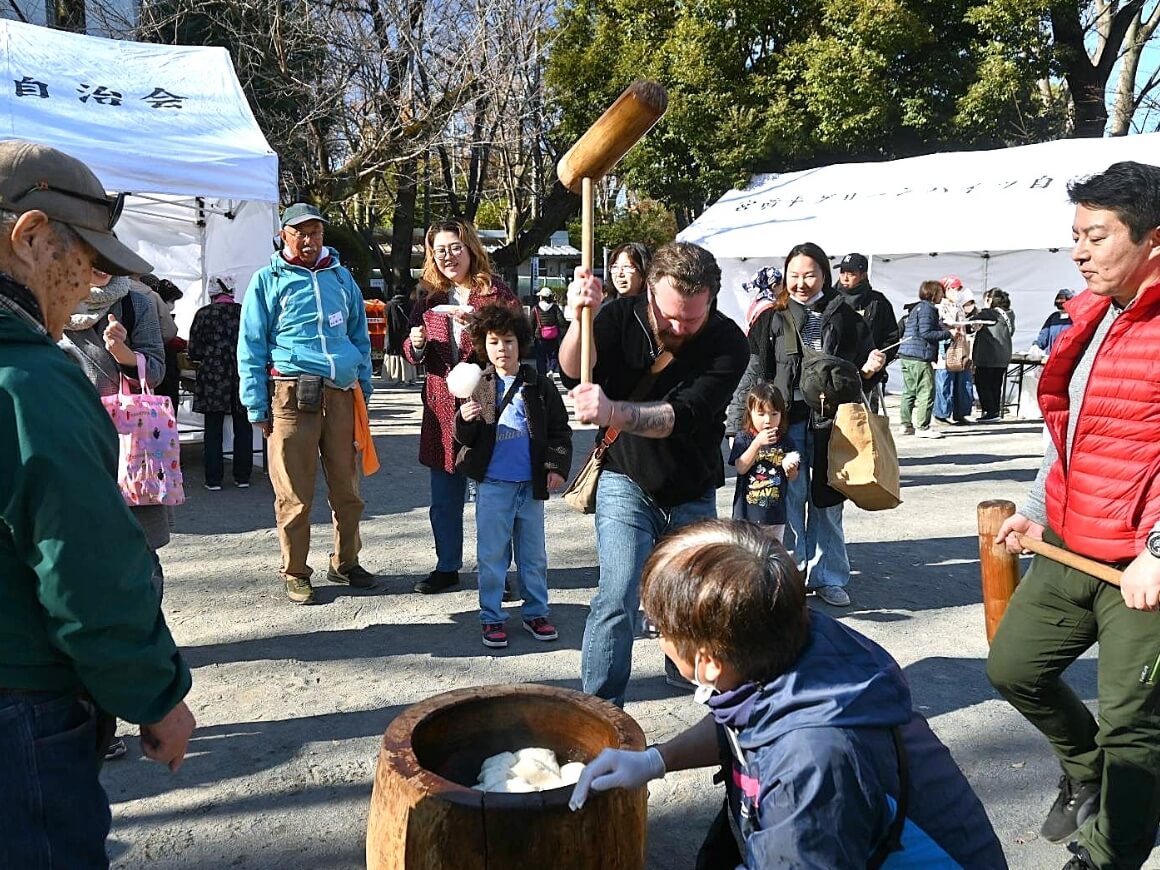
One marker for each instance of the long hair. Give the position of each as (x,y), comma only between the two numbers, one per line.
(479,269)
(815,253)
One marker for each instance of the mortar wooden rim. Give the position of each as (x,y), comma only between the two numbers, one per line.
(397,741)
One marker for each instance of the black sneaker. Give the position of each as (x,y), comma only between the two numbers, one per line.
(1077,802)
(437,581)
(116,749)
(1080,859)
(357,577)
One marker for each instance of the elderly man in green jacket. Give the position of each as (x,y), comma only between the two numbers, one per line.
(81,628)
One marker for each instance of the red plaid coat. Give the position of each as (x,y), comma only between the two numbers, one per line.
(439,357)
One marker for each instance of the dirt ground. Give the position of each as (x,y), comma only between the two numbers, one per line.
(291,701)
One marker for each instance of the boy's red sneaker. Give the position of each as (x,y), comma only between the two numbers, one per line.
(494,636)
(540,628)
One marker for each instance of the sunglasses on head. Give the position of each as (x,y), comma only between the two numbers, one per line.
(114,204)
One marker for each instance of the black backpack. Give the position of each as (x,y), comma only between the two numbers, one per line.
(826,380)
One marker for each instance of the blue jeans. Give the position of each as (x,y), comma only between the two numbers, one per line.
(507,516)
(55,813)
(953,394)
(448,492)
(814,534)
(628,525)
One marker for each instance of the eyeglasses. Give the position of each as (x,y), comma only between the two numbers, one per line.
(298,234)
(628,270)
(114,204)
(453,250)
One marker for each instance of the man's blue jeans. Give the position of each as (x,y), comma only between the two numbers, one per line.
(953,394)
(448,492)
(54,811)
(814,534)
(507,515)
(628,525)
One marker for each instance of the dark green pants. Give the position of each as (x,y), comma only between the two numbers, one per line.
(1055,615)
(917,393)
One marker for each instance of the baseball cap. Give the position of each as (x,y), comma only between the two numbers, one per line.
(37,177)
(951,282)
(545,293)
(966,296)
(854,263)
(1065,293)
(300,213)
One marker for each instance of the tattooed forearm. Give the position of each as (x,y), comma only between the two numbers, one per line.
(650,420)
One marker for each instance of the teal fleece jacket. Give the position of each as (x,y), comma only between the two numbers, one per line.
(78,611)
(302,322)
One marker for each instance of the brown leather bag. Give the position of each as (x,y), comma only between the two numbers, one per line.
(959,353)
(581,492)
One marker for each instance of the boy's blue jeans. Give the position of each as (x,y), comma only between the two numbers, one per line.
(55,813)
(628,525)
(507,517)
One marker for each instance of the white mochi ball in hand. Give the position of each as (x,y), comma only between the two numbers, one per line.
(462,381)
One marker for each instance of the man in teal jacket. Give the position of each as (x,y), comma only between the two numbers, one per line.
(80,622)
(304,356)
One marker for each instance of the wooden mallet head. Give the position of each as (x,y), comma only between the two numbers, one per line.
(613,134)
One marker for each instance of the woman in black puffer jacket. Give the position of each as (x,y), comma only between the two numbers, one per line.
(918,351)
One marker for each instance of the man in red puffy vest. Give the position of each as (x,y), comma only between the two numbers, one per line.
(1098,494)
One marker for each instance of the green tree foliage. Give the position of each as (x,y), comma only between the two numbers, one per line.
(648,222)
(777,85)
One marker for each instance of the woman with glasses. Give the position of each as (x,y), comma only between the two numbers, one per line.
(627,268)
(458,279)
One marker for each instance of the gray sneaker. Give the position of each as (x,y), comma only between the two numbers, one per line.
(928,433)
(299,590)
(835,596)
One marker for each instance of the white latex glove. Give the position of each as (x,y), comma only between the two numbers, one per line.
(617,768)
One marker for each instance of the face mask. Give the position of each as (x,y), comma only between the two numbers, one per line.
(545,304)
(705,691)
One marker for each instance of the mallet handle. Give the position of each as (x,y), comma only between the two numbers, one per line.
(587,243)
(1072,560)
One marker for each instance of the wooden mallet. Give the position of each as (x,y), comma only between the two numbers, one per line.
(1000,569)
(594,154)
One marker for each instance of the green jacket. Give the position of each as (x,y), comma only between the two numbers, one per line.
(77,609)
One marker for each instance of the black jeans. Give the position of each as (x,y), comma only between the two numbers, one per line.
(989,384)
(243,448)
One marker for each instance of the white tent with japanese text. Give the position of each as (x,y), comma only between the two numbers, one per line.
(169,125)
(994,218)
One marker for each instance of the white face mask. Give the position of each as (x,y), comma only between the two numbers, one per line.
(704,691)
(545,304)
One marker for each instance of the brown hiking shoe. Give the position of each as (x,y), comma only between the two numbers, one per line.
(299,590)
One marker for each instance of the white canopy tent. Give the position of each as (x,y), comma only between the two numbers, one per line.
(994,218)
(168,124)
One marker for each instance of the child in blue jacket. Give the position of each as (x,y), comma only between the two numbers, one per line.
(826,764)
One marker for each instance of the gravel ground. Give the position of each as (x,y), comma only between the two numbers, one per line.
(291,701)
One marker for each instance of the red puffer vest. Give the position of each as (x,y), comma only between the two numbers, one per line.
(1104,500)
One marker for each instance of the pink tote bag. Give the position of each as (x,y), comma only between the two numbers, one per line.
(149,466)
